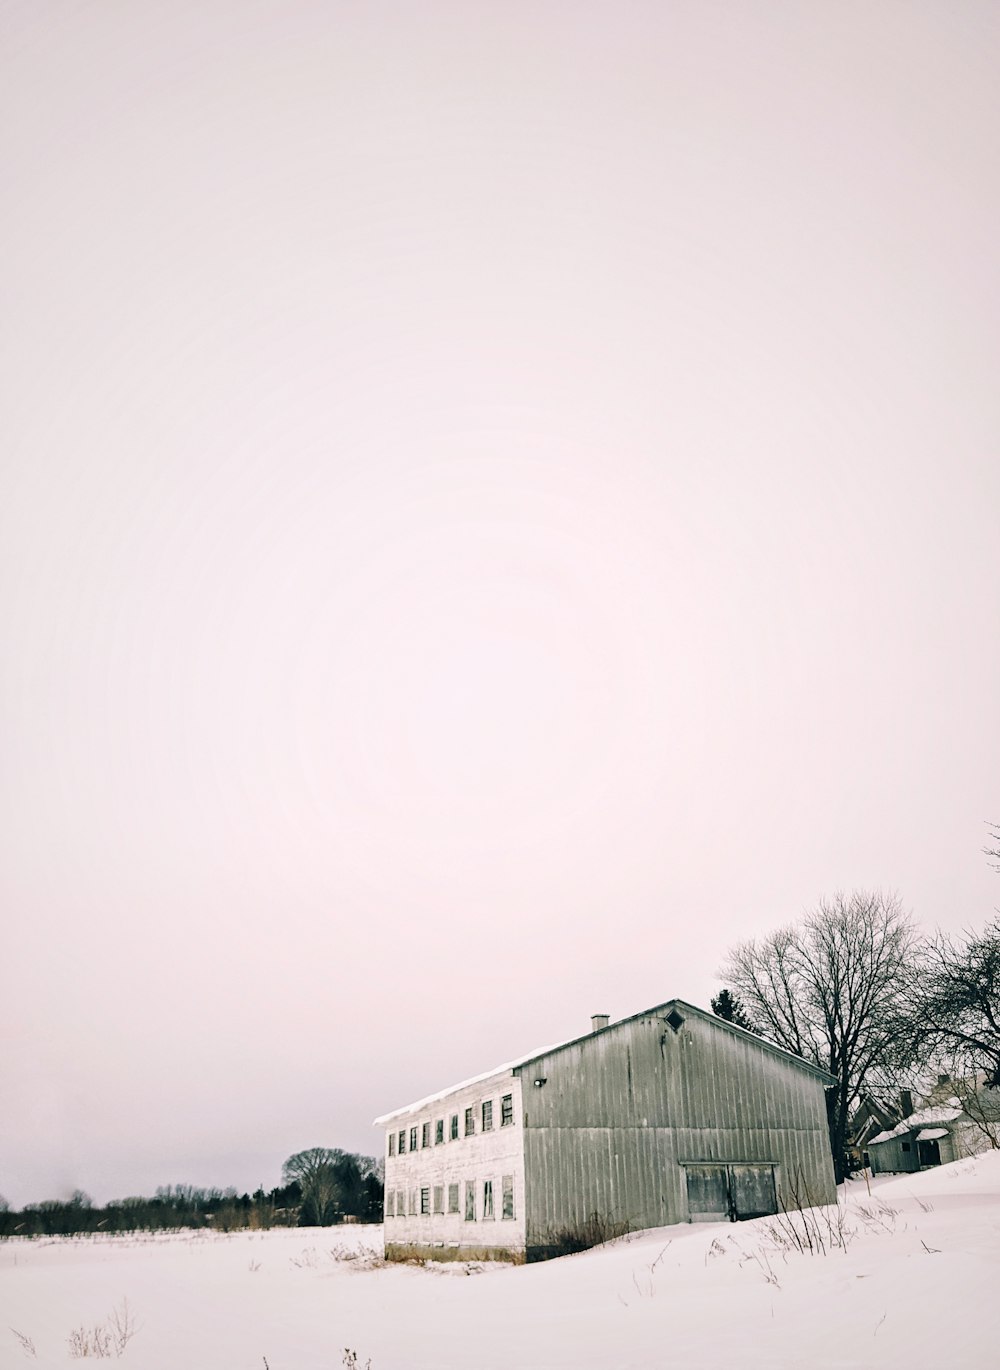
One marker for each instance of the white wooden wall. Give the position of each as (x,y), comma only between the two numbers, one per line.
(483,1156)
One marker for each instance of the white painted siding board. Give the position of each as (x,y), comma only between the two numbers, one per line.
(482,1156)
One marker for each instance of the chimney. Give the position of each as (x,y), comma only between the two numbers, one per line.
(905,1102)
(598,1021)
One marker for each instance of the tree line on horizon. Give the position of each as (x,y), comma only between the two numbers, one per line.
(320,1187)
(855,988)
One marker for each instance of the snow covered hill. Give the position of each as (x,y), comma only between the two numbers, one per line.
(907,1275)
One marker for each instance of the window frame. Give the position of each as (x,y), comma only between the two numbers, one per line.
(507,1198)
(488,1210)
(470,1201)
(486,1113)
(507,1110)
(470,1121)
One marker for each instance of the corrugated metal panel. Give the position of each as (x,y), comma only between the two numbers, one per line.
(620,1110)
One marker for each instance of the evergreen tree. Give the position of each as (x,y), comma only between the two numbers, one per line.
(728,1006)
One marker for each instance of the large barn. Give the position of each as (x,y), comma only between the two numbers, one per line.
(671,1115)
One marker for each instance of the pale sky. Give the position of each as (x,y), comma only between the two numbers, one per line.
(499,502)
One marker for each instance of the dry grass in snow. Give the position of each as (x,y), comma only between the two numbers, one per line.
(904,1277)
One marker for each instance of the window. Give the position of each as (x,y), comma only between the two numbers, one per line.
(402,1143)
(906,1146)
(453,1198)
(508,1196)
(470,1201)
(400,1203)
(413,1201)
(413,1139)
(470,1121)
(425,1203)
(507,1110)
(487,1199)
(439,1198)
(454,1127)
(390,1203)
(439,1132)
(425,1135)
(488,1116)
(392,1143)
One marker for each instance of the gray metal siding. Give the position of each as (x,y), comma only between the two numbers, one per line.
(620,1112)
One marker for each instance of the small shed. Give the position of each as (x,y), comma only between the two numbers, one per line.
(931,1136)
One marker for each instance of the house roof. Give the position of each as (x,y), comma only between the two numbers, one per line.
(924,1117)
(512,1067)
(871,1118)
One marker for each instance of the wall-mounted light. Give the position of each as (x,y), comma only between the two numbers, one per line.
(540,1081)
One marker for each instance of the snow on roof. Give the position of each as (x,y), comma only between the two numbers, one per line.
(464,1084)
(931,1134)
(924,1117)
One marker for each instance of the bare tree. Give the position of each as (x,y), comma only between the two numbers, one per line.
(994,840)
(334,1183)
(956,1009)
(315,1172)
(981,1104)
(833,989)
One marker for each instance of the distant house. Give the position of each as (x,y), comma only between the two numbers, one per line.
(872,1117)
(670,1115)
(933,1135)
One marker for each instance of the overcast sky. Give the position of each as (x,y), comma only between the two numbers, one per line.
(499,502)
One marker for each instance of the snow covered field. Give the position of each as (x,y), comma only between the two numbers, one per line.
(916,1285)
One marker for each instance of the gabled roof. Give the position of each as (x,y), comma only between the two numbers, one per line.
(662,1010)
(659,1010)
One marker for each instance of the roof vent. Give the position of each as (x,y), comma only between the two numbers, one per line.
(598,1021)
(674,1020)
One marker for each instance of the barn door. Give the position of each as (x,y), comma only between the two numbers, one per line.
(752,1190)
(736,1192)
(708,1193)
